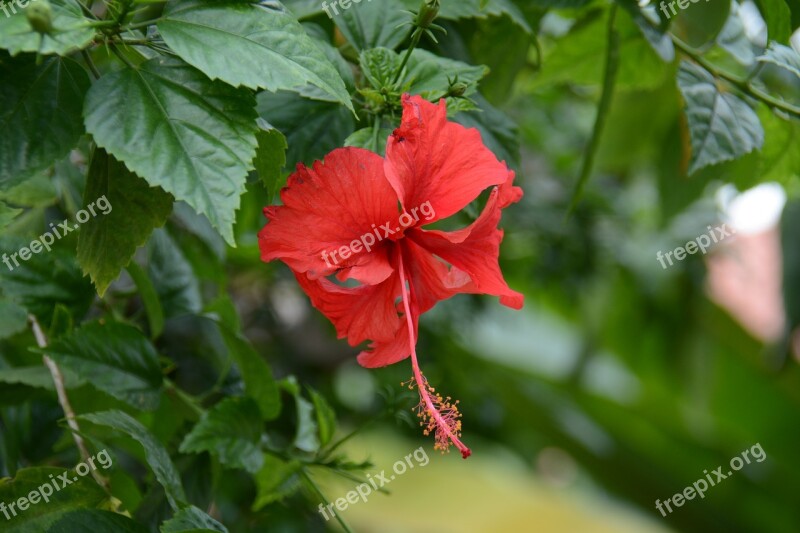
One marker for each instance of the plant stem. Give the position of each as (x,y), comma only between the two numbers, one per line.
(325,501)
(63,400)
(415,37)
(740,84)
(609,80)
(90,64)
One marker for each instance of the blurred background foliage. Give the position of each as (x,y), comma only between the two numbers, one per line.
(619,383)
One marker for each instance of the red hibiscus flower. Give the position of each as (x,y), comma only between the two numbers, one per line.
(340,219)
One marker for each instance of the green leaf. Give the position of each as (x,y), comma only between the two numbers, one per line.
(489,45)
(700,22)
(172,276)
(82,492)
(38,377)
(782,56)
(71,31)
(778,17)
(379,66)
(129,211)
(157,457)
(258,381)
(36,191)
(722,126)
(149,296)
(270,158)
(780,158)
(191,519)
(115,358)
(374,23)
(312,128)
(485,8)
(326,417)
(368,138)
(7,214)
(430,74)
(95,520)
(306,438)
(36,99)
(44,280)
(13,319)
(271,48)
(276,480)
(205,133)
(231,432)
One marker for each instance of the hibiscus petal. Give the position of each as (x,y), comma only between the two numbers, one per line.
(380,354)
(429,159)
(475,249)
(367,312)
(327,209)
(430,278)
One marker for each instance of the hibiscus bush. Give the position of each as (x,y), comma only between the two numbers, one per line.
(235,232)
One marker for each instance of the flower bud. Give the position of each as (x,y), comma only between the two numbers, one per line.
(428,12)
(40,16)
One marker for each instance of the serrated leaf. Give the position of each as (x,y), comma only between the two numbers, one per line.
(430,75)
(36,99)
(312,128)
(326,417)
(172,276)
(155,454)
(13,319)
(270,158)
(231,432)
(115,358)
(276,480)
(368,138)
(379,66)
(71,31)
(44,280)
(722,126)
(374,23)
(271,48)
(95,520)
(256,373)
(782,56)
(191,519)
(132,209)
(205,133)
(83,492)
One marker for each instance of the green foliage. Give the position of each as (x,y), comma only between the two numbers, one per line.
(209,378)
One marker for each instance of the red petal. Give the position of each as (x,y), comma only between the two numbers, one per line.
(360,313)
(388,353)
(429,159)
(328,207)
(475,250)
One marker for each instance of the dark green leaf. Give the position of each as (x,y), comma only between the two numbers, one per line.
(700,22)
(231,432)
(71,31)
(430,75)
(149,296)
(370,139)
(258,381)
(157,457)
(778,17)
(722,126)
(128,210)
(95,520)
(191,519)
(326,417)
(271,48)
(205,133)
(38,377)
(116,358)
(13,319)
(373,23)
(270,158)
(83,492)
(36,99)
(306,437)
(172,276)
(7,214)
(276,480)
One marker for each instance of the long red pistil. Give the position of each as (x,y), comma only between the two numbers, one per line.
(440,415)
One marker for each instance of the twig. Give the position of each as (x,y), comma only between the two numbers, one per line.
(63,399)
